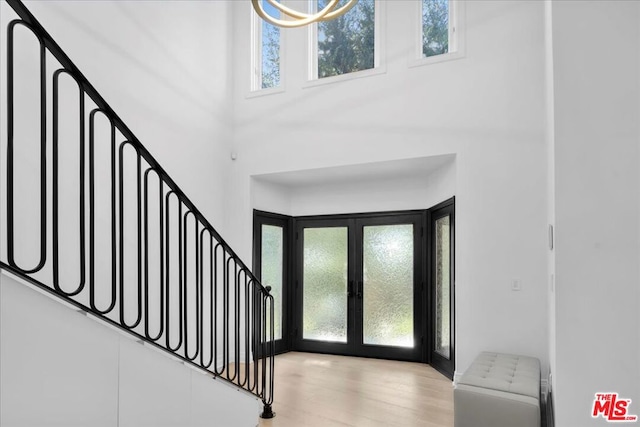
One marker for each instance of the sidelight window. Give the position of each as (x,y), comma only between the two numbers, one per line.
(266,51)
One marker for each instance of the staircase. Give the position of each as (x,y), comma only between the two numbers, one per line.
(88,216)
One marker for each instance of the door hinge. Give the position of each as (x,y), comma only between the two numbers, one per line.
(421,231)
(297,235)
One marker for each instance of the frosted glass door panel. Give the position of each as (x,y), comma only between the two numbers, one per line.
(272,268)
(443,287)
(387,256)
(325,269)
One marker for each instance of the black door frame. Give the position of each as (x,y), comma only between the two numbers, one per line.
(417,219)
(355,345)
(426,299)
(298,343)
(439,362)
(266,218)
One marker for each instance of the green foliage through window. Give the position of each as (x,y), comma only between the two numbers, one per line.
(435,27)
(347,44)
(270,44)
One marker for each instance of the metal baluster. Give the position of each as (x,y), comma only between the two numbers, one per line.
(208,363)
(146,257)
(168,277)
(56,189)
(123,320)
(92,210)
(186,284)
(215,315)
(43,150)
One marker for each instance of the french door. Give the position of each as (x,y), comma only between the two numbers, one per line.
(359,286)
(375,285)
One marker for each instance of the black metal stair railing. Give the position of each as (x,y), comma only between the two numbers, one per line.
(140,256)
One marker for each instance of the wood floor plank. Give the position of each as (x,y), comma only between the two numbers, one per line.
(317,390)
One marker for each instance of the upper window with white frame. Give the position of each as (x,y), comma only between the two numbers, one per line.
(438,28)
(266,48)
(347,44)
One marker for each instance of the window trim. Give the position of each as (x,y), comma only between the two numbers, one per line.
(456,36)
(255,67)
(379,66)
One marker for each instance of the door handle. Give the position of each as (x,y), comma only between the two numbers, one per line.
(350,289)
(359,293)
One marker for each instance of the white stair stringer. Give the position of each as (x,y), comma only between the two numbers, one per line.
(59,367)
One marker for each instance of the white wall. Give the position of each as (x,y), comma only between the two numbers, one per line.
(60,368)
(163,67)
(597,195)
(373,187)
(487,108)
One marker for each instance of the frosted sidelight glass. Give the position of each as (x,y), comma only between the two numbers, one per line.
(271,271)
(388,285)
(325,268)
(443,287)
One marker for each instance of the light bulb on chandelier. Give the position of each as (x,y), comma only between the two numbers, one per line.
(299,19)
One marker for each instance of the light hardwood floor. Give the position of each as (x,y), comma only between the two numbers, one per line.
(324,390)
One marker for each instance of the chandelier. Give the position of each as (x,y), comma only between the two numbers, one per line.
(299,19)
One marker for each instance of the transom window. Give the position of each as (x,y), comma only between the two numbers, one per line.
(346,44)
(266,51)
(351,44)
(438,28)
(435,27)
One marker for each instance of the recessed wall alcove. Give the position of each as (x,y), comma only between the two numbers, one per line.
(416,183)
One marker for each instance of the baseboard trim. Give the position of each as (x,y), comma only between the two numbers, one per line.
(456,377)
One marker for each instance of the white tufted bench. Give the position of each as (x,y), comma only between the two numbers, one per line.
(499,390)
